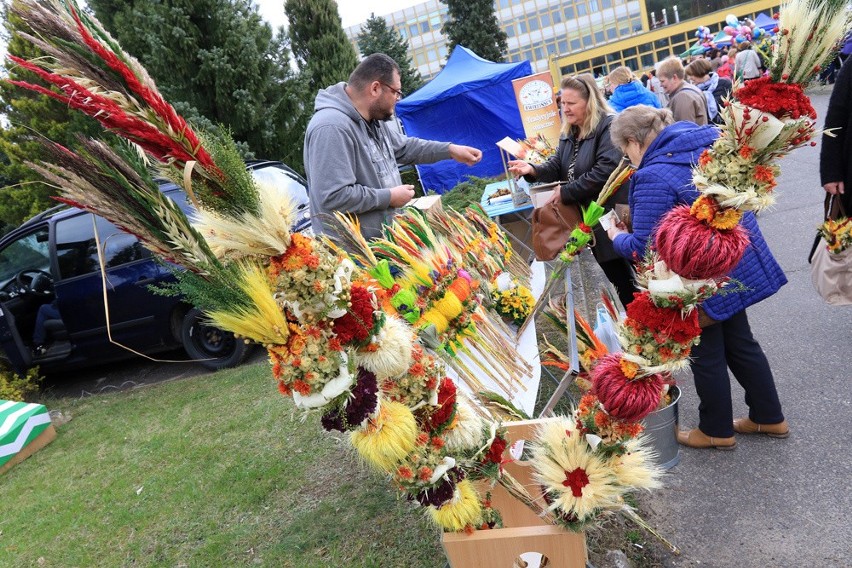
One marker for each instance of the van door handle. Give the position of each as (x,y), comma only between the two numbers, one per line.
(145,281)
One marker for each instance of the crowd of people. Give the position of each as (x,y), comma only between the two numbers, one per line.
(661,122)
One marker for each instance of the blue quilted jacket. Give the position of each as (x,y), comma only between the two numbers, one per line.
(664,180)
(632,94)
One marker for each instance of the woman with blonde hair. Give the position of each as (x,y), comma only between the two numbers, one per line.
(583,161)
(664,153)
(627,91)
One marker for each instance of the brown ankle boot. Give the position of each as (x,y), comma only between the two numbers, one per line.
(695,438)
(746,426)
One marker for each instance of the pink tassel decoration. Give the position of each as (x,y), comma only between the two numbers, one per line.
(626,399)
(694,250)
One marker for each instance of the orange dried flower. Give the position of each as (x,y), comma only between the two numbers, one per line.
(629,368)
(405,472)
(425,473)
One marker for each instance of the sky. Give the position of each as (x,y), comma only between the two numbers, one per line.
(351,11)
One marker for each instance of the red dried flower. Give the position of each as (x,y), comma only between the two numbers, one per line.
(357,323)
(495,452)
(667,322)
(778,99)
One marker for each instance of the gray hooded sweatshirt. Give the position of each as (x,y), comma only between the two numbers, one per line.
(352,164)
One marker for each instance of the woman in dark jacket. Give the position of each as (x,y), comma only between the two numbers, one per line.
(584,159)
(835,159)
(666,153)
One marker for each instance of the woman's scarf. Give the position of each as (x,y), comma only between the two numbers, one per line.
(708,87)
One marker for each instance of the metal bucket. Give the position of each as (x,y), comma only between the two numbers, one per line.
(661,431)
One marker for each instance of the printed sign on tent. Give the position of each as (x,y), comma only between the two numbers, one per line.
(537,104)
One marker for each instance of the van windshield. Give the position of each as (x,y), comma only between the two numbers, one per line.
(30,252)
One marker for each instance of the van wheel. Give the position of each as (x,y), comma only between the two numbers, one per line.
(210,346)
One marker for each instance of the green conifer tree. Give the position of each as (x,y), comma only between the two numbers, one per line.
(473,24)
(377,37)
(29,116)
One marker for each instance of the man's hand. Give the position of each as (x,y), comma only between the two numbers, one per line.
(520,168)
(465,154)
(401,194)
(834,187)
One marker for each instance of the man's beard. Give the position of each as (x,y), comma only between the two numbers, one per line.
(377,112)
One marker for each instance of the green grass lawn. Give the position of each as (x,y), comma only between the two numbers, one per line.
(218,470)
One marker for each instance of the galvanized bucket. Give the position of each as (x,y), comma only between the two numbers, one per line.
(661,431)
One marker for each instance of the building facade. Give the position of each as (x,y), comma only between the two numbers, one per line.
(572,36)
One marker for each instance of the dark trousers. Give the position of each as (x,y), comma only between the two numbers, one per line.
(621,275)
(45,312)
(730,344)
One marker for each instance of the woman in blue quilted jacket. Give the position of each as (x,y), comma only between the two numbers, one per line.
(664,153)
(627,91)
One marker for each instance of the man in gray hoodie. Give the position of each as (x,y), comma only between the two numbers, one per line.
(352,152)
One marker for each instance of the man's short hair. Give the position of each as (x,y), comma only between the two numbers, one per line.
(671,67)
(375,67)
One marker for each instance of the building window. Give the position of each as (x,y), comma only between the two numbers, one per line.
(606,4)
(424,27)
(599,37)
(534,24)
(575,45)
(568,70)
(582,10)
(545,20)
(528,55)
(593,6)
(587,41)
(569,12)
(420,58)
(413,30)
(562,46)
(631,63)
(522,26)
(557,16)
(510,30)
(611,33)
(630,52)
(663,53)
(648,60)
(539,53)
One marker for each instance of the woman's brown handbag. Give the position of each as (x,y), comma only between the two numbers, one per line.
(553,222)
(552,225)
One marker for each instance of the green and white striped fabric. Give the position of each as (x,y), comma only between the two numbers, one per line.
(20,424)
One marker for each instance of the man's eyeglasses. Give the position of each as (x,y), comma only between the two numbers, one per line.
(397,92)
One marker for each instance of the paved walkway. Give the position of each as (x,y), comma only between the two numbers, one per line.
(776,503)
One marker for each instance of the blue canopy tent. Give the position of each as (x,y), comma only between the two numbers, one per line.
(470,102)
(765,22)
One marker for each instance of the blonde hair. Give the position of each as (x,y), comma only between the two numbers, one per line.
(641,123)
(699,68)
(671,67)
(596,105)
(620,76)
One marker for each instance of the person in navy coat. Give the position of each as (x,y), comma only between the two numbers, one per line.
(665,153)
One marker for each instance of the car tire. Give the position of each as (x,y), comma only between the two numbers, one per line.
(210,346)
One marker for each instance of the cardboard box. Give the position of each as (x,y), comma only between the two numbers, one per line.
(429,204)
(523,530)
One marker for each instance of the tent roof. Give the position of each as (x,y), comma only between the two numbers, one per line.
(464,71)
(765,22)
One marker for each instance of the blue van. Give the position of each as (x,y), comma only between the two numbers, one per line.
(52,259)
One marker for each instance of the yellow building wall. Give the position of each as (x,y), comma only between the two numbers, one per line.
(642,51)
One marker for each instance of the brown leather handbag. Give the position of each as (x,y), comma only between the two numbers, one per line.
(551,226)
(552,223)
